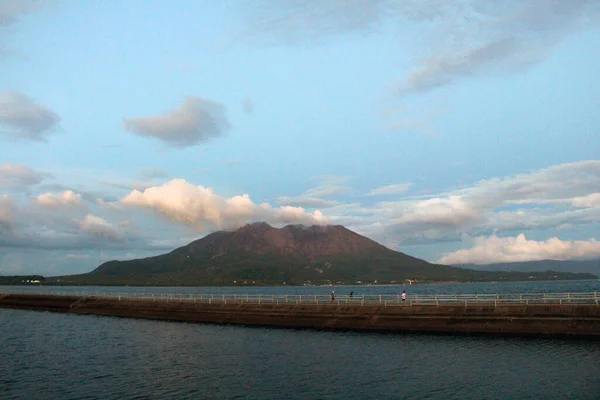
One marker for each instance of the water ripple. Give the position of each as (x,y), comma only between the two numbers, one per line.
(45,355)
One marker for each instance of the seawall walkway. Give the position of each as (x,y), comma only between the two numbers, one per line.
(549,314)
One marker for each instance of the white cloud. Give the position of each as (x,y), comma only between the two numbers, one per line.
(589,201)
(197,120)
(454,210)
(390,190)
(204,210)
(66,198)
(495,249)
(19,176)
(99,227)
(536,200)
(21,118)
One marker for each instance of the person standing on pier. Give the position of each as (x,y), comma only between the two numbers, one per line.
(403,296)
(332,295)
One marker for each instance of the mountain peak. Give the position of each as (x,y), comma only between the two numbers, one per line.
(295,254)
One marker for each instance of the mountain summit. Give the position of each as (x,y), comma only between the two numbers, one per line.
(261,254)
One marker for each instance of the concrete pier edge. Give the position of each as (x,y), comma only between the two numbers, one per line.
(538,320)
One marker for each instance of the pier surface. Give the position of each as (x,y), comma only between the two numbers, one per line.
(572,314)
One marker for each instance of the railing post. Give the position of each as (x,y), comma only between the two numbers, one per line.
(259,299)
(437,302)
(362,301)
(379,299)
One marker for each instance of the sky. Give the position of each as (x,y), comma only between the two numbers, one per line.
(457,131)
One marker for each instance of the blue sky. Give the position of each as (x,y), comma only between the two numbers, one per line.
(456,130)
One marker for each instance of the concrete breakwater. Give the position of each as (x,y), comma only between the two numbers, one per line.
(539,319)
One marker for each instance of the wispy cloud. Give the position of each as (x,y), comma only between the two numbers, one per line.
(11,12)
(293,22)
(463,38)
(319,196)
(147,174)
(390,190)
(248,106)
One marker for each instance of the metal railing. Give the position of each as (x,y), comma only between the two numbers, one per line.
(591,298)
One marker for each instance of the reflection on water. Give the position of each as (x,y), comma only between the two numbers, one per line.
(45,355)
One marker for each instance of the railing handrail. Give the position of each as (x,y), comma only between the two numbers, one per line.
(385,299)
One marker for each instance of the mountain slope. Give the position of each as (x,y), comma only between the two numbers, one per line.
(260,254)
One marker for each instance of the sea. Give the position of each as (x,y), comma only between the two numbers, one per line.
(47,355)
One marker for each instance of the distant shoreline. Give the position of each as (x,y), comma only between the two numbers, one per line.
(52,284)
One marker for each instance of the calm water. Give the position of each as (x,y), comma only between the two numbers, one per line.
(58,356)
(46,356)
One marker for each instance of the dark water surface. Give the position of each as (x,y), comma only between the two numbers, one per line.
(59,356)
